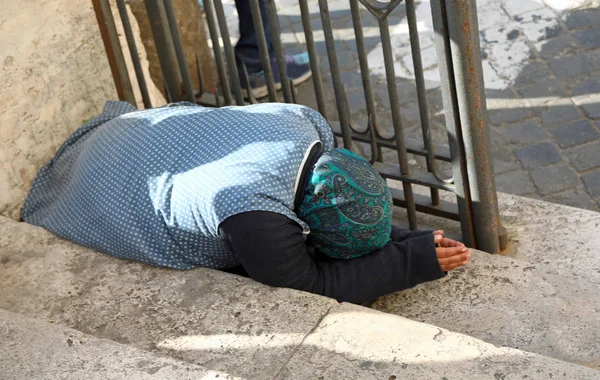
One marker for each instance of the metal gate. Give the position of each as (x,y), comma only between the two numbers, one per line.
(460,71)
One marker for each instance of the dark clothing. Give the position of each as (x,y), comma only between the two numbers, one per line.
(246,49)
(273,251)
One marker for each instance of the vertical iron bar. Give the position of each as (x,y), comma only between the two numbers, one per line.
(313,57)
(164,47)
(265,59)
(420,82)
(466,61)
(214,36)
(179,54)
(135,58)
(388,58)
(251,97)
(335,75)
(229,54)
(116,60)
(279,54)
(448,88)
(366,78)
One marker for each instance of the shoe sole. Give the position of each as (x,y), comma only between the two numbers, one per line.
(263,92)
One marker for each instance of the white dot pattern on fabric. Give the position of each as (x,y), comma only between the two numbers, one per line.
(153,186)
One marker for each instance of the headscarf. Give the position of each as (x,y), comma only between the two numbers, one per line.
(347,205)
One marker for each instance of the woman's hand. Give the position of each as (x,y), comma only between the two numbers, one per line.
(451,254)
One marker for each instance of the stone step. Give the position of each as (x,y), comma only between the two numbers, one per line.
(235,325)
(35,350)
(541,297)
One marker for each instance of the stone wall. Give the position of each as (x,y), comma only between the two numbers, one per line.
(53,76)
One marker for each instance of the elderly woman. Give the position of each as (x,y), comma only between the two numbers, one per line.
(259,189)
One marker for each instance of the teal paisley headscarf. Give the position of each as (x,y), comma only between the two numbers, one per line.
(347,206)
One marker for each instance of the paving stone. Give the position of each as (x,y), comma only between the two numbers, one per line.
(533,72)
(573,197)
(503,159)
(560,113)
(507,115)
(547,88)
(534,156)
(554,179)
(588,38)
(524,133)
(351,80)
(575,133)
(516,182)
(582,18)
(585,157)
(592,182)
(572,66)
(356,102)
(557,47)
(590,105)
(517,7)
(587,87)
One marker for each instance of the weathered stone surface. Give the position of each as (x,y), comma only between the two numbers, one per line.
(572,66)
(206,317)
(574,198)
(585,157)
(524,133)
(554,179)
(542,154)
(515,182)
(592,182)
(543,297)
(193,39)
(574,133)
(356,343)
(36,350)
(54,75)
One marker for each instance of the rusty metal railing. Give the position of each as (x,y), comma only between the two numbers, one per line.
(459,64)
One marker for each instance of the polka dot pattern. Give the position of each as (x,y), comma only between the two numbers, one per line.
(154,185)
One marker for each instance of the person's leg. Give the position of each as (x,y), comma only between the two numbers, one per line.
(246,49)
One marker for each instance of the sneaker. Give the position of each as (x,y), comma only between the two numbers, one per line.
(298,70)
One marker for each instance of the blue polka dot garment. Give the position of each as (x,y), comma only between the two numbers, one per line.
(153,186)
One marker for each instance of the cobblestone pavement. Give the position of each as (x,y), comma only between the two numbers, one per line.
(541,62)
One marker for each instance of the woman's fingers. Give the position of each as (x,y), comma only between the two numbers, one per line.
(443,252)
(445,242)
(439,232)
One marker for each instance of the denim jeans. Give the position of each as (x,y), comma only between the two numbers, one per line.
(246,49)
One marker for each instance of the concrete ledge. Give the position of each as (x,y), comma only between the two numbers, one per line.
(206,317)
(543,297)
(35,350)
(353,342)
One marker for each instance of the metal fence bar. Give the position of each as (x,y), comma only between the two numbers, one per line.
(135,58)
(420,83)
(457,153)
(466,62)
(164,48)
(279,53)
(229,54)
(366,80)
(396,120)
(335,75)
(313,58)
(214,37)
(265,59)
(116,60)
(179,54)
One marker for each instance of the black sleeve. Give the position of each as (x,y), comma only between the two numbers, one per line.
(273,250)
(400,234)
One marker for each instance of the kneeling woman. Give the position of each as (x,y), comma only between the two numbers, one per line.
(259,188)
